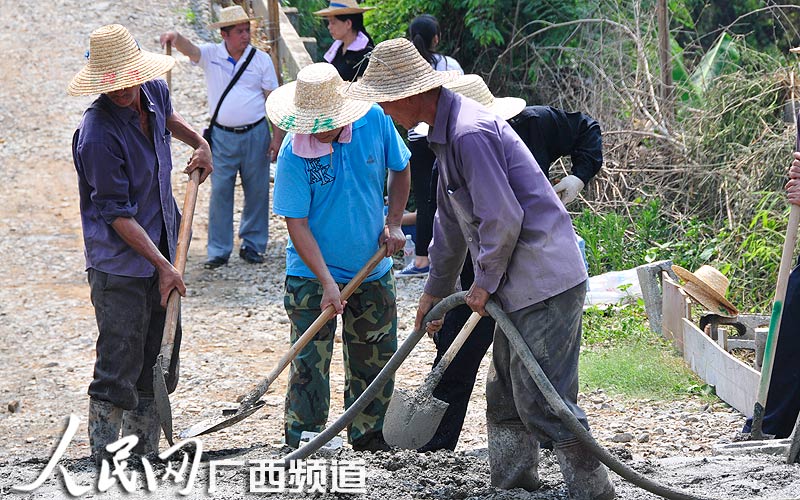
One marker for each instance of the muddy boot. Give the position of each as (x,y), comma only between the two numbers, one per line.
(513,458)
(105,420)
(586,478)
(143,423)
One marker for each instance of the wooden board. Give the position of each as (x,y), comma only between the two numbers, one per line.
(675,308)
(735,382)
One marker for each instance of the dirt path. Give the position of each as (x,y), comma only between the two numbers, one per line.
(234,323)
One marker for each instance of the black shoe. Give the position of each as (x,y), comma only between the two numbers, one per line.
(215,262)
(371,442)
(250,256)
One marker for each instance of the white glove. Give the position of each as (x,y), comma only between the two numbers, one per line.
(568,188)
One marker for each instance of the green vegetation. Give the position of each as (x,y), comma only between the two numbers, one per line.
(622,356)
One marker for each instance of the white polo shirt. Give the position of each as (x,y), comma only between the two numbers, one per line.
(244,104)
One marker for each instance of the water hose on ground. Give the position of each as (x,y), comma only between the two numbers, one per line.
(553,399)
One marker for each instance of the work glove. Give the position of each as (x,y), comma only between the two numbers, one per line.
(568,188)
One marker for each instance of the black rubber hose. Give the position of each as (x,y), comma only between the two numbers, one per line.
(436,312)
(569,420)
(542,382)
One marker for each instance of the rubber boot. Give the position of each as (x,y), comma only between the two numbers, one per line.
(513,458)
(105,420)
(143,423)
(586,478)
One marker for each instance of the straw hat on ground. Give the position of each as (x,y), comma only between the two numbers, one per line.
(116,62)
(475,88)
(396,70)
(343,7)
(708,287)
(314,103)
(231,16)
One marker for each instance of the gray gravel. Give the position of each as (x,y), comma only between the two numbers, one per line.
(234,323)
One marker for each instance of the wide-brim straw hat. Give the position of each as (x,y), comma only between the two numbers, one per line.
(231,16)
(396,70)
(475,88)
(116,62)
(707,286)
(314,103)
(343,7)
(795,50)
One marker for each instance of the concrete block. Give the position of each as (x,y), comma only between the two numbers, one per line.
(650,283)
(769,446)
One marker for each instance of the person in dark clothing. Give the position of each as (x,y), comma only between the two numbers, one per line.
(425,33)
(549,133)
(130,221)
(351,40)
(783,400)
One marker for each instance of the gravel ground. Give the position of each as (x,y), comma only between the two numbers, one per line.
(234,324)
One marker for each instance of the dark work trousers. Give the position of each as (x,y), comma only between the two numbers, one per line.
(783,400)
(424,192)
(131,322)
(458,380)
(551,329)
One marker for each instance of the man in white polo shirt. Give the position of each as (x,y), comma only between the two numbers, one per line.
(240,137)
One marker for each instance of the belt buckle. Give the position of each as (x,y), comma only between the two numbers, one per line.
(240,129)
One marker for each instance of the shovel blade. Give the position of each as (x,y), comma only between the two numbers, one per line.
(412,419)
(161,397)
(215,424)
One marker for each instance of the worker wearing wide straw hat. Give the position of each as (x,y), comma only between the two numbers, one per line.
(240,137)
(130,224)
(329,188)
(351,41)
(493,201)
(549,134)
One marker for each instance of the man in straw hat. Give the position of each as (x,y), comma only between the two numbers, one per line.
(240,136)
(549,134)
(130,223)
(496,202)
(329,187)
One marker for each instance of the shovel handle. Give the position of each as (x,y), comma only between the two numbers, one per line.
(169,73)
(329,312)
(174,299)
(433,378)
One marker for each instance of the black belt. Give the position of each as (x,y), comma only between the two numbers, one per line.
(239,130)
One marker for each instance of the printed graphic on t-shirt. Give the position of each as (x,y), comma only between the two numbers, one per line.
(317,172)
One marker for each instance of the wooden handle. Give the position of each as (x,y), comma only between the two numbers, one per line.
(436,374)
(250,398)
(169,73)
(182,251)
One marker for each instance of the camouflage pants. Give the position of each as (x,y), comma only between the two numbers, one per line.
(370,339)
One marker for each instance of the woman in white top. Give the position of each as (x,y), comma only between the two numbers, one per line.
(425,33)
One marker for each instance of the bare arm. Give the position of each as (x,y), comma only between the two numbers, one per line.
(308,249)
(201,158)
(277,140)
(134,235)
(397,186)
(181,43)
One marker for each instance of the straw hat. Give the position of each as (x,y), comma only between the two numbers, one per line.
(396,70)
(116,62)
(795,50)
(475,88)
(313,103)
(342,7)
(231,16)
(708,287)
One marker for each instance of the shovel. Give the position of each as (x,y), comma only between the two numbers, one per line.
(161,368)
(250,402)
(756,429)
(412,419)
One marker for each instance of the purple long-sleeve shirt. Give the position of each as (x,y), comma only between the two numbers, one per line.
(123,173)
(494,199)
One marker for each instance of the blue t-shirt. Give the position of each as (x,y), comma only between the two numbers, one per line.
(341,194)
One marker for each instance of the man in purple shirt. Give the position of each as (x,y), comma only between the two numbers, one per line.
(130,224)
(494,200)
